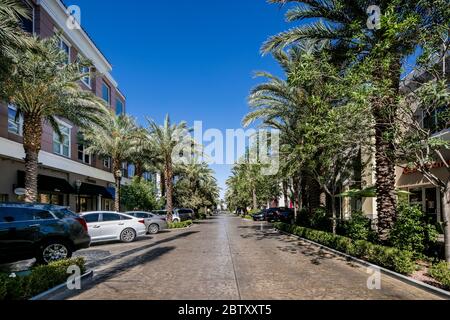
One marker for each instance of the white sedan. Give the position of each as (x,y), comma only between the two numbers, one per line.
(111,226)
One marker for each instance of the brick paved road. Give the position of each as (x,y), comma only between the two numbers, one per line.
(229,258)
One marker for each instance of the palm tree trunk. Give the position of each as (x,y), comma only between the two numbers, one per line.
(168,176)
(446,219)
(162,184)
(139,170)
(118,180)
(32,134)
(384,109)
(255,199)
(285,193)
(385,182)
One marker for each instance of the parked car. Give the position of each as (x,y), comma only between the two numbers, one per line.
(180,215)
(111,226)
(260,216)
(286,215)
(154,223)
(272,214)
(44,232)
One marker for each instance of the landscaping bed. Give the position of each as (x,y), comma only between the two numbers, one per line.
(38,280)
(180,225)
(400,261)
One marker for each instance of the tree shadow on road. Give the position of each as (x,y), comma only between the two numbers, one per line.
(132,251)
(293,245)
(117,269)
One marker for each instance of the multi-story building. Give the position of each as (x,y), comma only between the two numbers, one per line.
(420,191)
(67,174)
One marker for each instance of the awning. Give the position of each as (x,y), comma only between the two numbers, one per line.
(370,192)
(48,184)
(87,189)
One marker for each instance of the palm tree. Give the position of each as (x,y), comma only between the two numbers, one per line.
(279,104)
(168,141)
(341,27)
(12,37)
(197,186)
(143,156)
(116,139)
(44,88)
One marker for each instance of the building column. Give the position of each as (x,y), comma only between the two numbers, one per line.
(99,203)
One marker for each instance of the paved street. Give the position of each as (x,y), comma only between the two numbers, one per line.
(228,258)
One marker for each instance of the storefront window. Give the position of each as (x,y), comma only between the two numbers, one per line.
(55,199)
(431,201)
(415,197)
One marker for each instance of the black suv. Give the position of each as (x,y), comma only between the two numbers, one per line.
(45,232)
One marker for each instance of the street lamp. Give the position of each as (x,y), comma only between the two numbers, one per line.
(78,184)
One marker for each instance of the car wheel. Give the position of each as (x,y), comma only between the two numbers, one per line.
(153,229)
(128,235)
(54,250)
(176,220)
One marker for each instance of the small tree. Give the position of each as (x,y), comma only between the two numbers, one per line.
(140,195)
(411,230)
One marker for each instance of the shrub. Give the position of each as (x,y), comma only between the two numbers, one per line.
(41,279)
(139,195)
(317,219)
(411,232)
(248,217)
(359,227)
(400,261)
(180,225)
(441,272)
(201,216)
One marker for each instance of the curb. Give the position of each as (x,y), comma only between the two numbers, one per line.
(418,284)
(62,288)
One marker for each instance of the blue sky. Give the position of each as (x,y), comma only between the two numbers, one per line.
(191,59)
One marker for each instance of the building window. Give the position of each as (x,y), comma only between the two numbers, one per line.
(106,93)
(27,24)
(107,163)
(436,120)
(147,176)
(87,79)
(124,169)
(65,47)
(82,155)
(131,170)
(62,147)
(119,107)
(15,124)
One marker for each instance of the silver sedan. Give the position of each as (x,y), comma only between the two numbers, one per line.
(153,222)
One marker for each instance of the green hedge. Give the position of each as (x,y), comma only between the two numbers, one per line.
(441,272)
(180,225)
(248,217)
(394,259)
(41,279)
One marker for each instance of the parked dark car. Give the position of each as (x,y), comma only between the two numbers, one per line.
(45,232)
(260,216)
(272,214)
(286,215)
